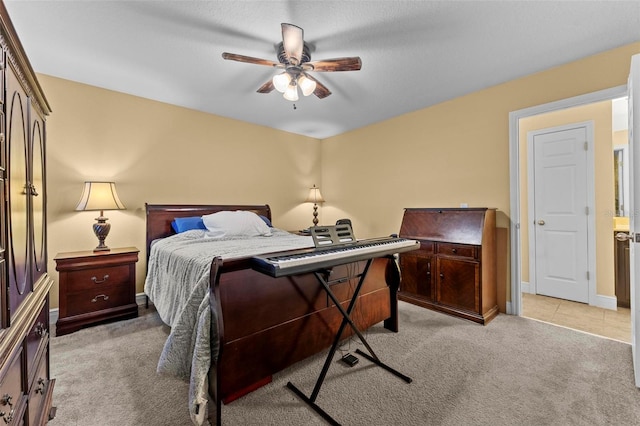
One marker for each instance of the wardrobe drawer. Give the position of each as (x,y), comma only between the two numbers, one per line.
(38,335)
(96,279)
(38,392)
(459,250)
(12,398)
(98,299)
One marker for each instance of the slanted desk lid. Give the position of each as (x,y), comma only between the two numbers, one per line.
(454,225)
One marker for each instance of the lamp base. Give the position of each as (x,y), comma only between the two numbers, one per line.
(101,229)
(315,214)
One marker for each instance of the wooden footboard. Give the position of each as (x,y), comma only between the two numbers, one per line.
(268,324)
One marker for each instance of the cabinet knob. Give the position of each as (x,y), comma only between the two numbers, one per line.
(6,400)
(454,251)
(41,386)
(7,418)
(40,329)
(442,277)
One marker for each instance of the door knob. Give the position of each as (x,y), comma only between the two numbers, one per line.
(541,222)
(621,236)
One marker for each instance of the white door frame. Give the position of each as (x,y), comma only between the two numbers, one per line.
(591,195)
(514,307)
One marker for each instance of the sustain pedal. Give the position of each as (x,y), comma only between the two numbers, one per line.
(350,360)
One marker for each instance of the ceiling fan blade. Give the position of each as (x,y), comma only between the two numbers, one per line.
(293,42)
(321,90)
(337,64)
(250,60)
(267,87)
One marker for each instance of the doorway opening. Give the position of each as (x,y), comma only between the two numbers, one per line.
(601,314)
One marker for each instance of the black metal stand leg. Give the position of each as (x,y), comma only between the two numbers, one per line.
(346,319)
(385,366)
(312,404)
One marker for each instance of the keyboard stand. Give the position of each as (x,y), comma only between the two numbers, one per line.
(311,401)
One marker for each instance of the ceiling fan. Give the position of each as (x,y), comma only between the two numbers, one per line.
(295,59)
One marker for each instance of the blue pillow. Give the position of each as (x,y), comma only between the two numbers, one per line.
(266,220)
(181,224)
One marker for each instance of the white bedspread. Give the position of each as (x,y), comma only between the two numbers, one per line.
(177,283)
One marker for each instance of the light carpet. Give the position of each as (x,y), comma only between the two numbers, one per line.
(513,371)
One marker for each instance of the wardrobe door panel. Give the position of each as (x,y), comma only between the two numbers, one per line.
(19,283)
(38,201)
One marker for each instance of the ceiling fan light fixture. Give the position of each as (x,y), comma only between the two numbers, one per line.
(306,84)
(291,94)
(281,81)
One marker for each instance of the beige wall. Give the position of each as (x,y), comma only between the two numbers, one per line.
(601,115)
(454,152)
(158,153)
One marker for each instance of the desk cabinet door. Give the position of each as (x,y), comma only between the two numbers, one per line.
(457,283)
(417,276)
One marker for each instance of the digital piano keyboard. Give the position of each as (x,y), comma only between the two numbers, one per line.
(300,261)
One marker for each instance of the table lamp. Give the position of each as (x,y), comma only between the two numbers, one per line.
(315,197)
(100,196)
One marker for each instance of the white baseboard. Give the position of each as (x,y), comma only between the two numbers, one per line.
(606,302)
(54,314)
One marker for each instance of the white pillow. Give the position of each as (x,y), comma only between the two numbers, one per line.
(238,223)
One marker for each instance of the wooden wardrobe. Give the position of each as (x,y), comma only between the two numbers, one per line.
(26,387)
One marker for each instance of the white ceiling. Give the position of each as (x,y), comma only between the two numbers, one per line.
(414,53)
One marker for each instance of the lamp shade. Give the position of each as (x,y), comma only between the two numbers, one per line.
(281,81)
(314,196)
(291,94)
(100,196)
(306,84)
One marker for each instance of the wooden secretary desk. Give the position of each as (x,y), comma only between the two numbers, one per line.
(454,271)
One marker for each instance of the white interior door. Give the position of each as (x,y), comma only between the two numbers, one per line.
(633,87)
(560,220)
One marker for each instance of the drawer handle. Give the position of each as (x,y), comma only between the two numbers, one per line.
(6,400)
(95,280)
(40,388)
(40,329)
(8,419)
(104,296)
(454,251)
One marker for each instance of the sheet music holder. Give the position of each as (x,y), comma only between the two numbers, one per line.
(339,236)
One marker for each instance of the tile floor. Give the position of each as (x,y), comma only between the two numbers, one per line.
(603,322)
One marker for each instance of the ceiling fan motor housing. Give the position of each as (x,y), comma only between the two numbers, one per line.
(282,56)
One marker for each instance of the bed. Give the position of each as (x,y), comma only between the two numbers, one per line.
(243,326)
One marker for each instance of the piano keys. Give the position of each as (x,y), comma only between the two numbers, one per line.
(292,262)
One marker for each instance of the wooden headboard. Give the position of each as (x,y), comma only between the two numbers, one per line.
(159,216)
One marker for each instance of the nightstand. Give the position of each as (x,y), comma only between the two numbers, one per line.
(95,287)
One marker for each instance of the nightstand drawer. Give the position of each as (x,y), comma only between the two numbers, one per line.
(97,279)
(98,299)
